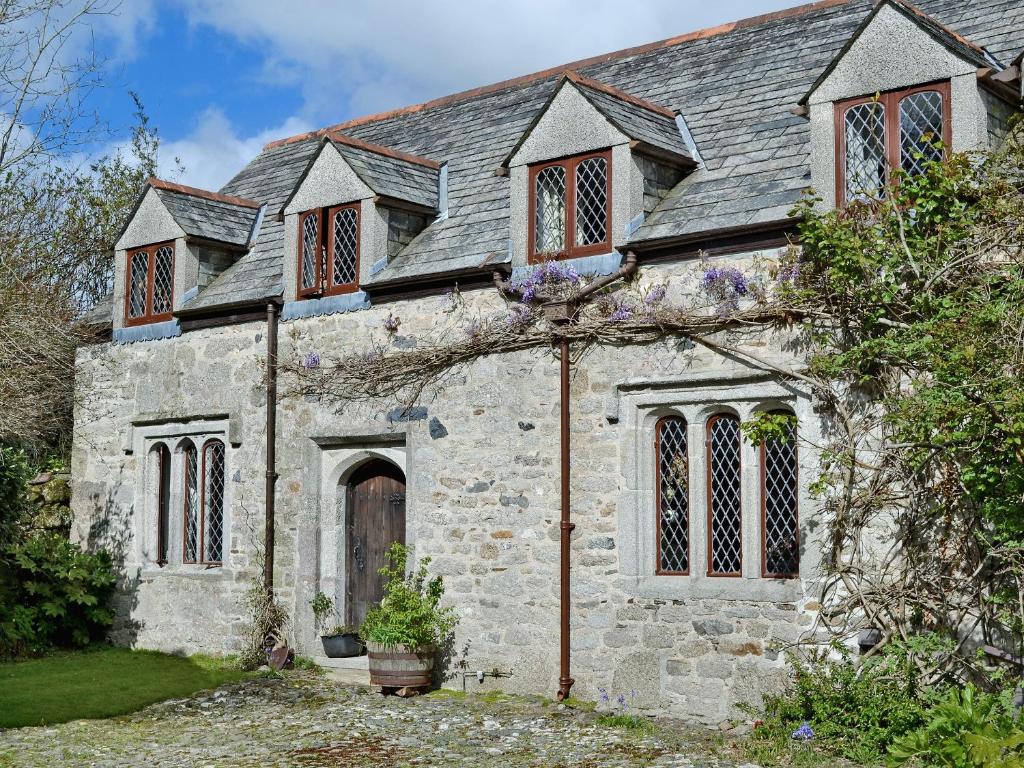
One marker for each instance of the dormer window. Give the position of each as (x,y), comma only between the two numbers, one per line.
(570,207)
(149,296)
(898,129)
(329,251)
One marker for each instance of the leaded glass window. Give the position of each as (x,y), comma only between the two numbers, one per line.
(865,150)
(160,486)
(138,283)
(592,201)
(779,489)
(344,246)
(571,211)
(673,496)
(213,501)
(190,468)
(902,130)
(550,203)
(920,130)
(309,252)
(725,547)
(149,284)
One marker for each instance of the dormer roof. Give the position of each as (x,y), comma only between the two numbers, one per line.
(953,41)
(391,174)
(212,216)
(652,127)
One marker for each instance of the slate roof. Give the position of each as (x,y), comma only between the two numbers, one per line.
(736,84)
(203,216)
(652,125)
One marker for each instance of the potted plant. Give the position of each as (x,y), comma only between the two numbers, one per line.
(339,642)
(404,631)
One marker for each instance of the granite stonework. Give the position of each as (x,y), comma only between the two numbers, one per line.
(481,459)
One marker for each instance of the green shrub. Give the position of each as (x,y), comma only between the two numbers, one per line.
(853,712)
(57,596)
(410,613)
(967,729)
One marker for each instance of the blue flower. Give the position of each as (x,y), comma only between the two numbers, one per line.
(312,360)
(604,695)
(804,732)
(391,323)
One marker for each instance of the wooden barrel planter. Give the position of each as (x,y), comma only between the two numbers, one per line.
(400,667)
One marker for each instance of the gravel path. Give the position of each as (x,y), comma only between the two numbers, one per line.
(301,720)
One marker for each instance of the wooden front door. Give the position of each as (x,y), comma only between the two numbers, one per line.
(375,517)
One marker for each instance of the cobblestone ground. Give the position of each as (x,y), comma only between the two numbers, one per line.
(302,720)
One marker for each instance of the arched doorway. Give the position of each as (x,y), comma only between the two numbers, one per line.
(374,518)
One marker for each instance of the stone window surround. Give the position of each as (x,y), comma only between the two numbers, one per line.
(145,526)
(641,408)
(891,101)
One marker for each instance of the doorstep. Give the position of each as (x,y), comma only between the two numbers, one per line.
(354,670)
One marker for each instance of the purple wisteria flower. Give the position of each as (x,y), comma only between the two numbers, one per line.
(391,323)
(804,732)
(312,360)
(551,273)
(621,314)
(655,296)
(519,317)
(789,273)
(726,285)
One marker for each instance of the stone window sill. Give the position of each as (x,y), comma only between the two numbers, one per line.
(152,572)
(709,588)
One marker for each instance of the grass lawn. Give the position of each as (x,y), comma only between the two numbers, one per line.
(101,683)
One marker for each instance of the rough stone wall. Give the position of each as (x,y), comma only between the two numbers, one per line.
(129,394)
(481,458)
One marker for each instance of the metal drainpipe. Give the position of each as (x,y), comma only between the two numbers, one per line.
(565,681)
(268,532)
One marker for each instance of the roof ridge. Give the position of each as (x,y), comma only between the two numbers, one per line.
(543,74)
(368,146)
(589,82)
(219,197)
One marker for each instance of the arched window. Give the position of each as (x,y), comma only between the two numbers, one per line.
(213,502)
(190,494)
(161,467)
(673,496)
(725,541)
(780,533)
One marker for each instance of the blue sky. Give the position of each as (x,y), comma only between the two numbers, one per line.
(220,78)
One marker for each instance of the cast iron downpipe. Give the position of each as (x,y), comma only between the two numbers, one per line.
(268,531)
(565,680)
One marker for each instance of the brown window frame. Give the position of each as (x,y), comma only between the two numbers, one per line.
(762,460)
(203,492)
(708,475)
(147,317)
(571,250)
(890,100)
(324,283)
(163,500)
(658,570)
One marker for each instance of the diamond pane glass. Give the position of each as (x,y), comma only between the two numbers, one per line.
(191,547)
(343,259)
(550,202)
(592,201)
(781,541)
(162,487)
(920,130)
(213,501)
(673,497)
(724,495)
(163,280)
(137,284)
(865,150)
(310,241)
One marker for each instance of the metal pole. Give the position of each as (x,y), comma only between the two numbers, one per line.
(268,531)
(565,681)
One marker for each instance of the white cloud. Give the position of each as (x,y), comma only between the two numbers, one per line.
(214,151)
(357,57)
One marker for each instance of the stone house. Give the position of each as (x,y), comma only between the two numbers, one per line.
(695,554)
